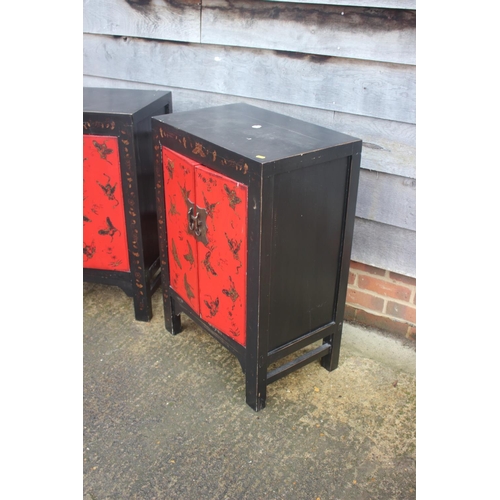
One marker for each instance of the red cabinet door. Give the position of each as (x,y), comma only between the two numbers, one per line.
(208,270)
(180,197)
(222,265)
(104,231)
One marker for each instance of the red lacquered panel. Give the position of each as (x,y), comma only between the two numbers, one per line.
(178,173)
(104,230)
(222,267)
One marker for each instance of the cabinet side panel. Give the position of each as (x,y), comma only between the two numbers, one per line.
(308,213)
(145,185)
(104,230)
(178,173)
(145,181)
(223,258)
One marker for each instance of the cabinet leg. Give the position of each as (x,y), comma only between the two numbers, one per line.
(172,320)
(143,307)
(331,360)
(256,402)
(256,388)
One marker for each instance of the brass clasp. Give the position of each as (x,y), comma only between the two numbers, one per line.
(197,223)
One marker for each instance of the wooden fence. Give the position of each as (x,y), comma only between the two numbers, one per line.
(351,68)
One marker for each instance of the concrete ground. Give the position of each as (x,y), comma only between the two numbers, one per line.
(165,416)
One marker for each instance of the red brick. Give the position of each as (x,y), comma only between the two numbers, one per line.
(352,278)
(402,278)
(364,300)
(401,311)
(367,269)
(381,322)
(386,288)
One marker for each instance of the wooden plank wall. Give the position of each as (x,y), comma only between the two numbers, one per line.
(345,64)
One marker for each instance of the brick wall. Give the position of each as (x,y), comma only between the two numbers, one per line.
(381,299)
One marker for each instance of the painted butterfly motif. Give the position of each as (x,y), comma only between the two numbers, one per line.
(198,150)
(234,246)
(213,306)
(110,229)
(185,192)
(102,149)
(173,208)
(233,197)
(189,256)
(231,293)
(187,286)
(175,254)
(170,167)
(89,250)
(207,264)
(109,190)
(209,207)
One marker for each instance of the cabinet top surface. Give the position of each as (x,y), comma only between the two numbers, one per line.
(119,101)
(255,133)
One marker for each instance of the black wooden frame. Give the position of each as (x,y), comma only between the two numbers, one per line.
(143,279)
(255,358)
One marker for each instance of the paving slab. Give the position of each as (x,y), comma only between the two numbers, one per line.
(165,416)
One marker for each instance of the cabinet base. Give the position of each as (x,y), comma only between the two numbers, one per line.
(257,376)
(143,308)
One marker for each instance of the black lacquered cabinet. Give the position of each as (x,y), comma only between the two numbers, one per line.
(120,235)
(255,217)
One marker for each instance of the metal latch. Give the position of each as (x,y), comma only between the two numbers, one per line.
(197,222)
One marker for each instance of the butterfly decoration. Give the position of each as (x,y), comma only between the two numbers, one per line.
(198,150)
(170,168)
(189,256)
(173,209)
(175,254)
(233,197)
(109,230)
(185,192)
(231,293)
(207,264)
(187,286)
(209,207)
(234,246)
(109,190)
(102,149)
(89,250)
(213,306)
